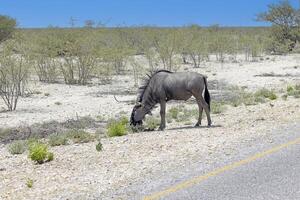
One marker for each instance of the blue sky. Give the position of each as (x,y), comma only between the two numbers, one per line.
(42,13)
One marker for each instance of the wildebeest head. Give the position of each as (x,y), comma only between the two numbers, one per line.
(138,114)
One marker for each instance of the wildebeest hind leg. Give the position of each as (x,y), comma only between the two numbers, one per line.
(203,103)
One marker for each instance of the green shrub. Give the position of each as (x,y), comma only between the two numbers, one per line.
(57,140)
(38,152)
(116,128)
(80,136)
(151,123)
(17,147)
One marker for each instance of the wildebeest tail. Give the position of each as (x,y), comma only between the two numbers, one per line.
(206,93)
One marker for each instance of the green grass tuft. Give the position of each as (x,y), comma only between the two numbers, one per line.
(117,128)
(38,152)
(29,183)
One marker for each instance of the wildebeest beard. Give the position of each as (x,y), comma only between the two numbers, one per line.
(133,122)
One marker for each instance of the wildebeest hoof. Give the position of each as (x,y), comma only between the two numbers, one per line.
(161,128)
(197,125)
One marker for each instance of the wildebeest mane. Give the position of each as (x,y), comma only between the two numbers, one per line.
(146,82)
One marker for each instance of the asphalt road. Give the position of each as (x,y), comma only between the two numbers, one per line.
(275,176)
(272,175)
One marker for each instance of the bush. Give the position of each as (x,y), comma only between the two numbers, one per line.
(117,128)
(57,140)
(80,136)
(38,152)
(17,147)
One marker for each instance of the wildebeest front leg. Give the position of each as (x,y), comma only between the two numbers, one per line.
(200,113)
(162,115)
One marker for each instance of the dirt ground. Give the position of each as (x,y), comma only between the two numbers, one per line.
(80,172)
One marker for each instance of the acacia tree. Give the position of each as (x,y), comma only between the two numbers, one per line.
(166,44)
(285,26)
(14,71)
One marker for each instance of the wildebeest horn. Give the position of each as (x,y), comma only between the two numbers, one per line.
(130,102)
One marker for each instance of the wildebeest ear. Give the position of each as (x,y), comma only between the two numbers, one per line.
(138,104)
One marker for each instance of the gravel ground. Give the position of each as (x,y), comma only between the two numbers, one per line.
(80,172)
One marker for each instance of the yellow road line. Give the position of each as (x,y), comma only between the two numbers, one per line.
(198,179)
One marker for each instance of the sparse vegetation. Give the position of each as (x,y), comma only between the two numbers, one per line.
(293,91)
(43,130)
(265,93)
(57,140)
(80,136)
(151,123)
(173,112)
(17,147)
(217,107)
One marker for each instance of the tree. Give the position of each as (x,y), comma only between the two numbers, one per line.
(7,27)
(285,25)
(89,23)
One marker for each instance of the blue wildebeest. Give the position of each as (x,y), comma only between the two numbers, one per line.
(162,86)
